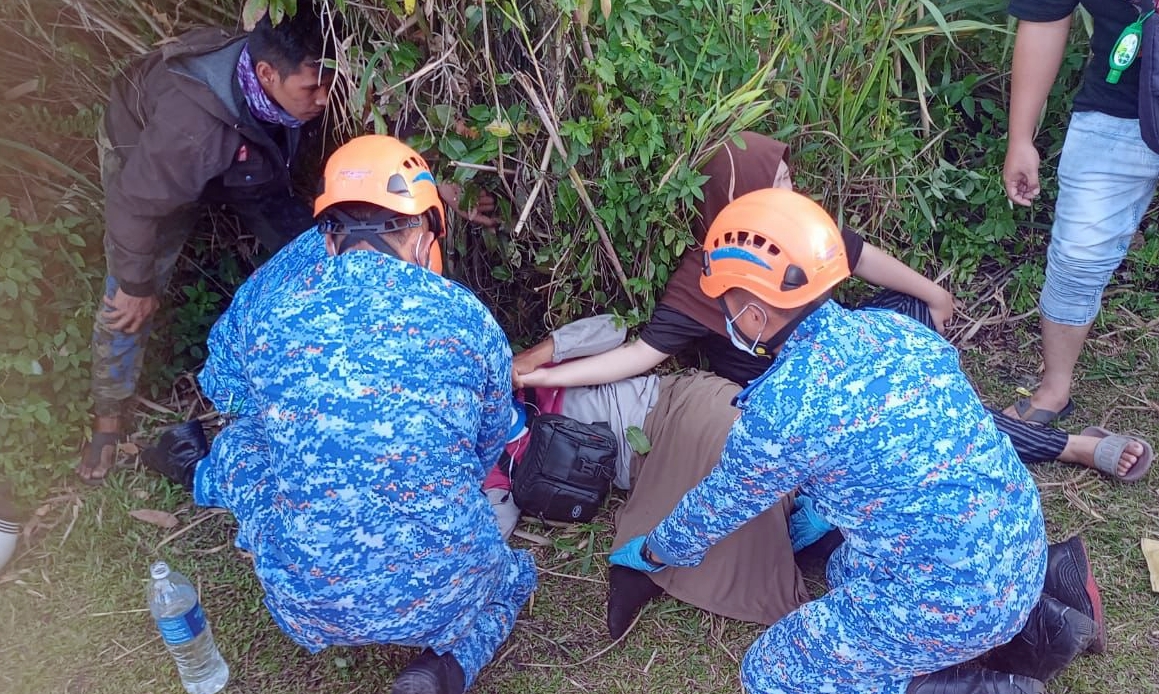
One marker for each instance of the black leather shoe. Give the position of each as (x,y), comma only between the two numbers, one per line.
(1054,635)
(177,452)
(431,674)
(1069,579)
(959,680)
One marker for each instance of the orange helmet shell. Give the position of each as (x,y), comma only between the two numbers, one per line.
(779,245)
(380,170)
(436,265)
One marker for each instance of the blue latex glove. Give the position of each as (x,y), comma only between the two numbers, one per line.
(806,526)
(631,556)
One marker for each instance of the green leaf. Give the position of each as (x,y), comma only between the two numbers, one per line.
(638,440)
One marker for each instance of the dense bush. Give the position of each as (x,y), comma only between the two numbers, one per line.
(47,275)
(641,96)
(588,121)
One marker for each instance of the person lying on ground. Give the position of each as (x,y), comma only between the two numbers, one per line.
(686,318)
(370,396)
(944,556)
(209,119)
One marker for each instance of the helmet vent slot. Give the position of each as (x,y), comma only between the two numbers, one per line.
(397,185)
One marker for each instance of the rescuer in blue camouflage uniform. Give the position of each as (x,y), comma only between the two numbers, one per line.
(371,397)
(869,415)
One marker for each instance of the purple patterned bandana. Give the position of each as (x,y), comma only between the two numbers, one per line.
(261,105)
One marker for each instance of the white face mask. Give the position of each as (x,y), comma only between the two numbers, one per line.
(735,338)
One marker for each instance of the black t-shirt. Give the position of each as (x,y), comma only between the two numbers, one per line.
(672,332)
(1110,18)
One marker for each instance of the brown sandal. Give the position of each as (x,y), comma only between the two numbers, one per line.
(98,458)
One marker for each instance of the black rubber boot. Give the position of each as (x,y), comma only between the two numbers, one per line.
(431,674)
(1054,635)
(1069,579)
(177,452)
(960,680)
(628,591)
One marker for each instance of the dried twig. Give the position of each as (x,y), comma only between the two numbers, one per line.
(580,188)
(572,577)
(598,653)
(201,518)
(108,25)
(117,612)
(535,190)
(134,650)
(154,406)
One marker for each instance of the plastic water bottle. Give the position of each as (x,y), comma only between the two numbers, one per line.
(177,611)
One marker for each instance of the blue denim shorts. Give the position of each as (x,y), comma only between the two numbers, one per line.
(1106,179)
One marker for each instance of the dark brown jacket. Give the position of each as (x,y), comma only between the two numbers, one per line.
(179,123)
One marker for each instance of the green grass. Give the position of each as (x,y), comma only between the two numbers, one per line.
(72,614)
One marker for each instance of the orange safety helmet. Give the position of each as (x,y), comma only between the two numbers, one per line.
(777,244)
(381,170)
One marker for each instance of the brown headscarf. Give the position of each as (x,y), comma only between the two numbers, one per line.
(732,172)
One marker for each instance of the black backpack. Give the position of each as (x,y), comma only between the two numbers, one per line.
(567,469)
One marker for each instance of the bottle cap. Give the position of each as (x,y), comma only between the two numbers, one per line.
(159,570)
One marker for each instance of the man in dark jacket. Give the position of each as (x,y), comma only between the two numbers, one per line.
(206,119)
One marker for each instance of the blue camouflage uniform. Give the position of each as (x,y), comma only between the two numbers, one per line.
(371,398)
(944,554)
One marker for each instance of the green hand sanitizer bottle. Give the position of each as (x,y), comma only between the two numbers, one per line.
(1126,49)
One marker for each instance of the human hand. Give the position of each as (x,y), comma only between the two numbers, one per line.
(942,311)
(128,313)
(806,526)
(532,358)
(480,213)
(632,555)
(536,378)
(1020,173)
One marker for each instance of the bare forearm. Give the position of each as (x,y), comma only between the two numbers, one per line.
(534,357)
(622,362)
(880,268)
(1038,52)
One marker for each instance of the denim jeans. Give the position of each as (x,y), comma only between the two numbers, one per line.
(1106,179)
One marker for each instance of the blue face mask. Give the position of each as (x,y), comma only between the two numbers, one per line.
(755,348)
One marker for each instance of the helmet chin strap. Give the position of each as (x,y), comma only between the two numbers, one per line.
(770,346)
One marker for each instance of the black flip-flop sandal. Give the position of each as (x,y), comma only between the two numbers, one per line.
(93,458)
(1035,415)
